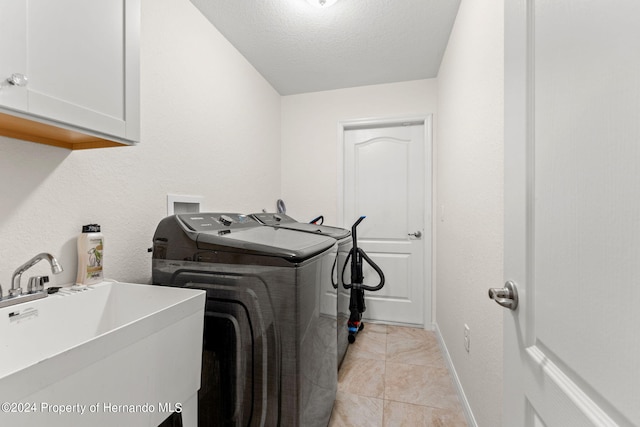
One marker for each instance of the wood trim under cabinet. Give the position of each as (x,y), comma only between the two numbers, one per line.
(29,130)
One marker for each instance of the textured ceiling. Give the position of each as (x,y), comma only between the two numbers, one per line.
(300,48)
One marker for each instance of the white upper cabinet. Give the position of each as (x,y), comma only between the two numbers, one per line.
(72,64)
(13,55)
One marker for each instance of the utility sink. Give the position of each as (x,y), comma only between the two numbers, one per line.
(113,354)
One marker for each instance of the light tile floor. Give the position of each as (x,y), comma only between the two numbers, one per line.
(395,376)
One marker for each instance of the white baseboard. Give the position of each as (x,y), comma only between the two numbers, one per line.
(471,421)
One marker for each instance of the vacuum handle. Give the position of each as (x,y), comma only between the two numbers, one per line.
(354,234)
(315,220)
(355,224)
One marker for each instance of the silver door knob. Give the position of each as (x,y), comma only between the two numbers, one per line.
(507,296)
(417,234)
(18,79)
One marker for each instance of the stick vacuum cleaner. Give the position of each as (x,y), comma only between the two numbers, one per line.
(357,287)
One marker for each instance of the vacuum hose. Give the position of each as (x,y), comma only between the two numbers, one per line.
(357,256)
(357,287)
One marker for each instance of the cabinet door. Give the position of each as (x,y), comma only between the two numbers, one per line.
(83,66)
(13,58)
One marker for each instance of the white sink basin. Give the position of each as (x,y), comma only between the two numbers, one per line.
(114,354)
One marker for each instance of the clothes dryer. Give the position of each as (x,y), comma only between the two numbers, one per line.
(335,297)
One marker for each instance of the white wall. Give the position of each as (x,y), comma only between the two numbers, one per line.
(210,127)
(310,137)
(469,238)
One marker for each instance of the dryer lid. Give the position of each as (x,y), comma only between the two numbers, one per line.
(286,222)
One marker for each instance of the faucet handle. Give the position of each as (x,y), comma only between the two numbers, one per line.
(36,283)
(14,292)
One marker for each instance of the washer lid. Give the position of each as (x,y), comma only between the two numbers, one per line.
(213,231)
(268,241)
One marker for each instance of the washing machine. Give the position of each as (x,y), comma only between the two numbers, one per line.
(269,352)
(336,295)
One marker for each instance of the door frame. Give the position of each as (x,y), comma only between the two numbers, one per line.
(428,166)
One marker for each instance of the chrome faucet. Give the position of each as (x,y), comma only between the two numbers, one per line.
(55,269)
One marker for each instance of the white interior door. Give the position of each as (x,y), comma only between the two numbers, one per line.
(384,180)
(572,212)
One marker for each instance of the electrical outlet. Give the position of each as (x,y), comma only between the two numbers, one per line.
(467,337)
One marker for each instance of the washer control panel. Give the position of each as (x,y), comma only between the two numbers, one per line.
(273,218)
